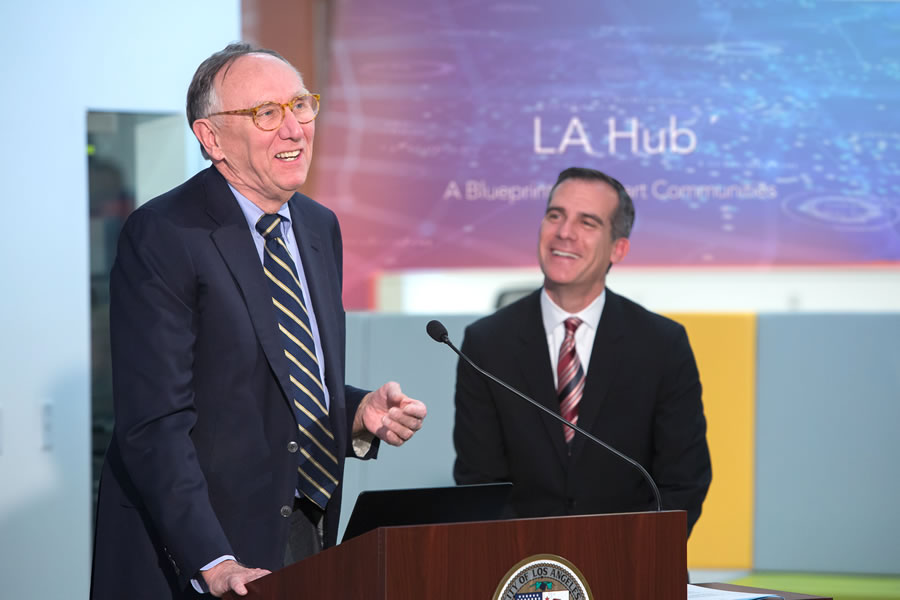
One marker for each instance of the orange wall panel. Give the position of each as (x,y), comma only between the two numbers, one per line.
(725,348)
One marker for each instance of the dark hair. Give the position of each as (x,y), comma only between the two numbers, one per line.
(201,95)
(623,218)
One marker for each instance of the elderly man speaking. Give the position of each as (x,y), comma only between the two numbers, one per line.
(227,328)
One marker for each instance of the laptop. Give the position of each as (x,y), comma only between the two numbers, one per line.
(428,506)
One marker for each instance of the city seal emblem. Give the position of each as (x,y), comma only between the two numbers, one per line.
(543,577)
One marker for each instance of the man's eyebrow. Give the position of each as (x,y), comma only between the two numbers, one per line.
(581,215)
(592,216)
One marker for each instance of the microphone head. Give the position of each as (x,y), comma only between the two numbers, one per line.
(437,331)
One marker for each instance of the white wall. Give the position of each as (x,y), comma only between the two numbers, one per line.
(676,289)
(61,59)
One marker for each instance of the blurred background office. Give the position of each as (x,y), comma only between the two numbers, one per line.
(760,142)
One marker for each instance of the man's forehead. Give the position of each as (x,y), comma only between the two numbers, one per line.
(586,198)
(258,76)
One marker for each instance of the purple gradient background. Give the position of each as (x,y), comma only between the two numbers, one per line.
(798,96)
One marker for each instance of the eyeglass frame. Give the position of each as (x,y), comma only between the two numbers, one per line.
(283,105)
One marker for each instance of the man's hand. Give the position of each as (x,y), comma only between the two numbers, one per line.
(390,414)
(230,576)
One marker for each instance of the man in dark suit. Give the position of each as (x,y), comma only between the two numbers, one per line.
(615,369)
(201,488)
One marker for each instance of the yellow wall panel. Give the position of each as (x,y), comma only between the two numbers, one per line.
(725,348)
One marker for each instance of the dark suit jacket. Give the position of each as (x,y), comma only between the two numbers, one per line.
(199,464)
(642,396)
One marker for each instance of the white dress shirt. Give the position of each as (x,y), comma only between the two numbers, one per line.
(554,327)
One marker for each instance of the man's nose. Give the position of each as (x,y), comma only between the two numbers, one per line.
(565,229)
(290,127)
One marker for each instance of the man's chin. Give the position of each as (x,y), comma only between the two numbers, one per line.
(290,175)
(559,277)
(292,185)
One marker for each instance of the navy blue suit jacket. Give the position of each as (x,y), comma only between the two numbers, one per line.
(199,465)
(642,396)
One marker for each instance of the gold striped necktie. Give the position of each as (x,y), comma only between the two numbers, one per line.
(319,469)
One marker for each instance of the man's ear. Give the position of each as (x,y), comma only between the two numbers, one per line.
(208,138)
(619,250)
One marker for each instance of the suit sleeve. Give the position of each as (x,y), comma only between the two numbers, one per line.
(477,436)
(681,463)
(153,331)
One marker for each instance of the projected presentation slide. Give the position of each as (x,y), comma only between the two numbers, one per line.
(747,132)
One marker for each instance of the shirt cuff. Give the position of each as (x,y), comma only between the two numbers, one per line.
(199,583)
(362,443)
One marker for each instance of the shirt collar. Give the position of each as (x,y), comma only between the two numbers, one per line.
(252,212)
(554,316)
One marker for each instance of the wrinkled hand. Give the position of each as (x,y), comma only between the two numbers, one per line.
(389,414)
(230,576)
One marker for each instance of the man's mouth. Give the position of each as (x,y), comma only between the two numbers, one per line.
(292,155)
(563,254)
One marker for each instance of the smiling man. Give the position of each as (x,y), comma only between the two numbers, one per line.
(227,329)
(623,373)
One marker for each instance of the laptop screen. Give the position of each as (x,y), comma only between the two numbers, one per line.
(428,506)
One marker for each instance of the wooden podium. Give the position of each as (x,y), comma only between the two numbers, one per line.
(633,556)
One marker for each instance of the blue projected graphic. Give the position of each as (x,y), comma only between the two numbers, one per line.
(747,132)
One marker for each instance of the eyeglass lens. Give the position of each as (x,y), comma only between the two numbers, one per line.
(269,116)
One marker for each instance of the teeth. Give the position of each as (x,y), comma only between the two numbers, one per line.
(565,254)
(288,155)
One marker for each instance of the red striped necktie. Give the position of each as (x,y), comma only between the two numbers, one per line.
(570,376)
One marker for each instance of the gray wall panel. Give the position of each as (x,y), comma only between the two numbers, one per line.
(828,410)
(384,347)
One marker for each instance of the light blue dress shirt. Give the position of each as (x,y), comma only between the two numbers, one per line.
(252,213)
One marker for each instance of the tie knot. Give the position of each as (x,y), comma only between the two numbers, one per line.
(572,324)
(268,226)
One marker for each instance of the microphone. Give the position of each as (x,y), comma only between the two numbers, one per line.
(438,333)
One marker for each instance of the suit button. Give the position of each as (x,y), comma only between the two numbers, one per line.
(286,511)
(292,447)
(570,505)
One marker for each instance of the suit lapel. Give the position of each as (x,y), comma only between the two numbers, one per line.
(316,258)
(234,241)
(534,362)
(309,243)
(602,368)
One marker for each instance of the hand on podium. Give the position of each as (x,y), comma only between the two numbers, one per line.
(230,576)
